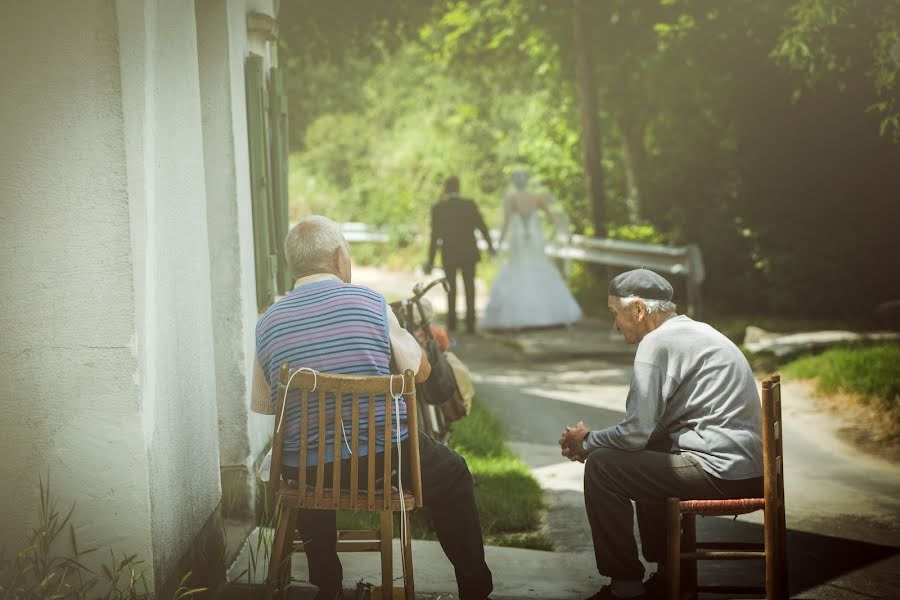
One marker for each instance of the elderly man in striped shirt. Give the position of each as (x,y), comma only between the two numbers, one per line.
(332,326)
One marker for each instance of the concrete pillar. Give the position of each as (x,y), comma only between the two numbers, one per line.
(221,38)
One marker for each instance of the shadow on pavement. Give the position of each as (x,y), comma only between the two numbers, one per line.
(819,566)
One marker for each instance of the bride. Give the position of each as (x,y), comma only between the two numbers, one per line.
(528,290)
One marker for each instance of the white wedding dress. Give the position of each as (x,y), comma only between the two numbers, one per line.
(528,290)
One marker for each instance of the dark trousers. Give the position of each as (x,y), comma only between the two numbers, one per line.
(613,478)
(448,492)
(468,277)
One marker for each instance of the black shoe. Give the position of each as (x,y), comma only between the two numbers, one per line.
(655,587)
(605,593)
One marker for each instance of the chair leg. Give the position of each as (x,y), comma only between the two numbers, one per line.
(409,584)
(772,536)
(689,544)
(387,558)
(274,581)
(783,555)
(673,549)
(287,559)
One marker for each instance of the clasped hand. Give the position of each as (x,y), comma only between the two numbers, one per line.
(571,442)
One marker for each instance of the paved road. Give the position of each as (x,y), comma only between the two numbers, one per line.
(843,507)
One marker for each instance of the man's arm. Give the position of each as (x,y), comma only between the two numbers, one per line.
(261,392)
(643,410)
(479,223)
(424,367)
(408,354)
(432,248)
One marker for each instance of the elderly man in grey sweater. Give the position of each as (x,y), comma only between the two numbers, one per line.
(692,429)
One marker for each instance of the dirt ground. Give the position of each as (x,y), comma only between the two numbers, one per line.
(865,427)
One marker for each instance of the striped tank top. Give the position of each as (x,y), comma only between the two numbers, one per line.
(331,327)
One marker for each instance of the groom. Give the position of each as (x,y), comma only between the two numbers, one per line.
(453,224)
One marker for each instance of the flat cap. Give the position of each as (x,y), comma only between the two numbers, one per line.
(642,283)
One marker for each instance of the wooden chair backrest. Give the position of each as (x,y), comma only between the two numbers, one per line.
(773,437)
(336,387)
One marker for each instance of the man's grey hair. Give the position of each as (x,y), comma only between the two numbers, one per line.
(653,306)
(310,246)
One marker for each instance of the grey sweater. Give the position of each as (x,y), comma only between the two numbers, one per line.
(694,386)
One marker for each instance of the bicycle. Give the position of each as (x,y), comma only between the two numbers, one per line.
(413,317)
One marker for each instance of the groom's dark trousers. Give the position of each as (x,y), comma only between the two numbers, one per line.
(453,224)
(468,277)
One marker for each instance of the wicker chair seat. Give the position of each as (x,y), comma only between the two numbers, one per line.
(712,508)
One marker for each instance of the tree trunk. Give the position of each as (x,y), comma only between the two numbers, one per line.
(629,163)
(591,152)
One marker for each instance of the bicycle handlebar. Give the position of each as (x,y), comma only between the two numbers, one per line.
(420,289)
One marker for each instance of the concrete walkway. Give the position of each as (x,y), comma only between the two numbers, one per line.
(518,573)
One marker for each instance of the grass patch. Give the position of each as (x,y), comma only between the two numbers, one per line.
(529,541)
(509,499)
(873,372)
(479,435)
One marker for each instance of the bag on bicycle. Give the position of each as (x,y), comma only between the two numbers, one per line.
(441,384)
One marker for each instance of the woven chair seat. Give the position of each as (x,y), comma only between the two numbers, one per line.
(307,499)
(740,506)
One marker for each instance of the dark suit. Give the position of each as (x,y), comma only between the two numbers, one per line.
(453,224)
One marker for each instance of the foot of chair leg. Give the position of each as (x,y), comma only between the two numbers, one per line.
(275,583)
(387,553)
(409,585)
(673,549)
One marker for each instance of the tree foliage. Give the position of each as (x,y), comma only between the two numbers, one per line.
(762,131)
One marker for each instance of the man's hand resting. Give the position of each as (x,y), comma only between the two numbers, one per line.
(571,442)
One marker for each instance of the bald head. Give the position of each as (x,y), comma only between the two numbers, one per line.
(316,245)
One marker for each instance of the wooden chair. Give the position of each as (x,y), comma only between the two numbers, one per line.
(682,554)
(320,494)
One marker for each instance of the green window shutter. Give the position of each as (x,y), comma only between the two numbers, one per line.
(260,179)
(278,120)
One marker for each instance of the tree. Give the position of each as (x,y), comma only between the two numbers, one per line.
(587,100)
(705,137)
(825,41)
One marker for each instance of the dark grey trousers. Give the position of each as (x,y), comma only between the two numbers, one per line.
(613,478)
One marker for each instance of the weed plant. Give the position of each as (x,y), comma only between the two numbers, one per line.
(41,570)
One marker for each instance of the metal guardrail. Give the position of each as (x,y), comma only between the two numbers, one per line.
(678,261)
(361,232)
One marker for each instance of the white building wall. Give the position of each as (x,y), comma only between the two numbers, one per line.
(70,396)
(167,196)
(223,45)
(110,341)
